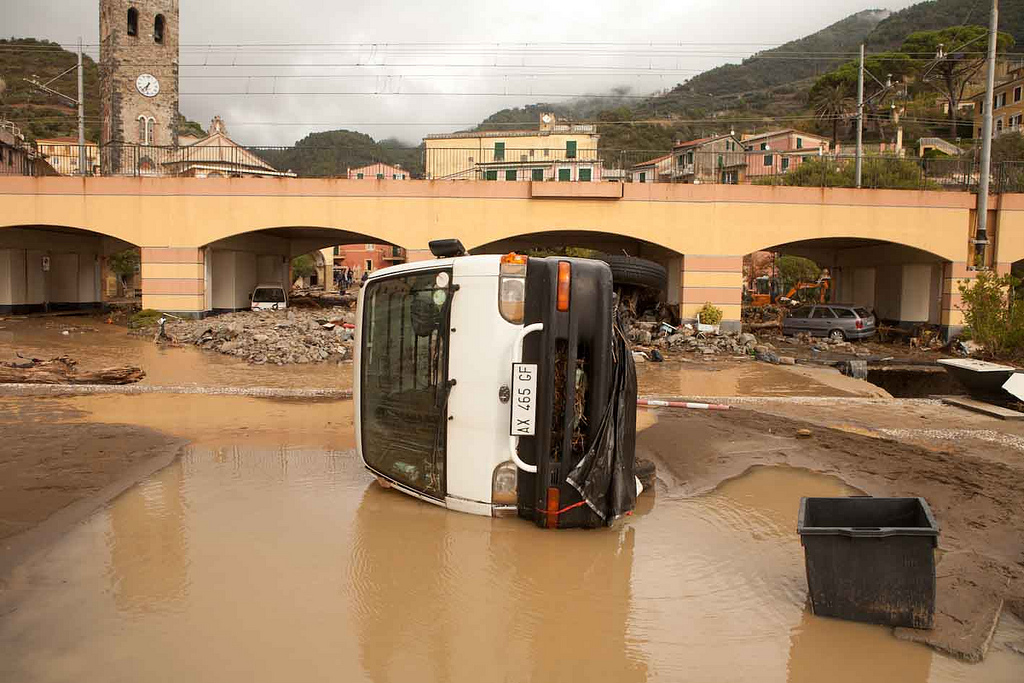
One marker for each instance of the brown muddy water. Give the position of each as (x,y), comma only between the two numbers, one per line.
(267,553)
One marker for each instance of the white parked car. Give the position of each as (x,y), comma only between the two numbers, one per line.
(269,297)
(492,385)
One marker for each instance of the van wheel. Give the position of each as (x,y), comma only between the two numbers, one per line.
(836,335)
(638,272)
(646,472)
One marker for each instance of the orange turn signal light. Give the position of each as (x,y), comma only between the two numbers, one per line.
(563,285)
(513,257)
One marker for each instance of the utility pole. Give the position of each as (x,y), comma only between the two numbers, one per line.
(981,235)
(81,114)
(860,117)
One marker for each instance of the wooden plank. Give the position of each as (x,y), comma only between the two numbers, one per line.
(984,408)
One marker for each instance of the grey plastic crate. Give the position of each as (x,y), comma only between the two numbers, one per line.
(870,559)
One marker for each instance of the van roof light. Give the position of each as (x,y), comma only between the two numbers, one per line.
(447,248)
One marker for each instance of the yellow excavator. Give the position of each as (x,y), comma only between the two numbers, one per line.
(764,290)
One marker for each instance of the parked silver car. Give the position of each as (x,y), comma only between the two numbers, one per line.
(838,321)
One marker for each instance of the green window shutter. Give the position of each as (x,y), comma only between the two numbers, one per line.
(643,177)
(337,250)
(764,146)
(585,175)
(564,174)
(490,175)
(799,143)
(359,176)
(570,149)
(538,174)
(767,159)
(785,163)
(510,174)
(499,151)
(380,176)
(394,176)
(721,161)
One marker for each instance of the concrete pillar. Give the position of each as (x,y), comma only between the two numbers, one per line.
(714,279)
(174,280)
(954,273)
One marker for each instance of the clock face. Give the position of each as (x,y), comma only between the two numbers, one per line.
(147,85)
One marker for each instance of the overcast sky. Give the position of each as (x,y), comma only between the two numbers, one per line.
(319,35)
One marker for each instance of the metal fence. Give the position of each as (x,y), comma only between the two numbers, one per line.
(805,168)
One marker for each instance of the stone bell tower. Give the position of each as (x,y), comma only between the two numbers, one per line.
(138,76)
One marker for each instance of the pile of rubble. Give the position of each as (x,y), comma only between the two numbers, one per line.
(647,335)
(275,337)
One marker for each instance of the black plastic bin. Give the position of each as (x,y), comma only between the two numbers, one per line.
(870,559)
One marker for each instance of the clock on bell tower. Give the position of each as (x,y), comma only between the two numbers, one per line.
(138,78)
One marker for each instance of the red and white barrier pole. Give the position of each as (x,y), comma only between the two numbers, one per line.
(653,403)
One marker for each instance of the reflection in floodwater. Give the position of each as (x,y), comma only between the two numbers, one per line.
(852,653)
(540,605)
(265,555)
(148,545)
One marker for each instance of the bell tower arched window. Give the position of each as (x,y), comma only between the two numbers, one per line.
(147,129)
(158,29)
(133,21)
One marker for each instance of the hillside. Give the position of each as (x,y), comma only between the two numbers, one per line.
(38,114)
(939,14)
(768,85)
(332,153)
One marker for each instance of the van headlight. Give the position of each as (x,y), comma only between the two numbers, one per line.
(512,288)
(503,484)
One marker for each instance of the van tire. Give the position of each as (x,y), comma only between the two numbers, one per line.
(646,472)
(637,272)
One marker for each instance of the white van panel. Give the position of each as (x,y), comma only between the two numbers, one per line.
(481,362)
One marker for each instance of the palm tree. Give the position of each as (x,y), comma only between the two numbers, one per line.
(833,104)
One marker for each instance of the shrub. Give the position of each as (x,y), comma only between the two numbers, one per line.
(710,314)
(144,318)
(994,314)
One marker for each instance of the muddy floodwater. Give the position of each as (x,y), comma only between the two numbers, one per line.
(267,553)
(95,344)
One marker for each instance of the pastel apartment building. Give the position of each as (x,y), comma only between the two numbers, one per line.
(1007,105)
(557,151)
(378,171)
(780,151)
(714,159)
(62,154)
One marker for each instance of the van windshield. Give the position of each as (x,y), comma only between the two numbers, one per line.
(268,295)
(404,378)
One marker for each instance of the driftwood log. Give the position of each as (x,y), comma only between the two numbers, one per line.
(764,325)
(61,370)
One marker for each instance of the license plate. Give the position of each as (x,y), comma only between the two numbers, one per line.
(524,399)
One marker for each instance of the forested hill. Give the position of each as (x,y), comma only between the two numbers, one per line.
(939,14)
(38,114)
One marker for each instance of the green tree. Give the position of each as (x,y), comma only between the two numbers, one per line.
(993,314)
(833,105)
(948,60)
(303,266)
(124,264)
(794,269)
(878,172)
